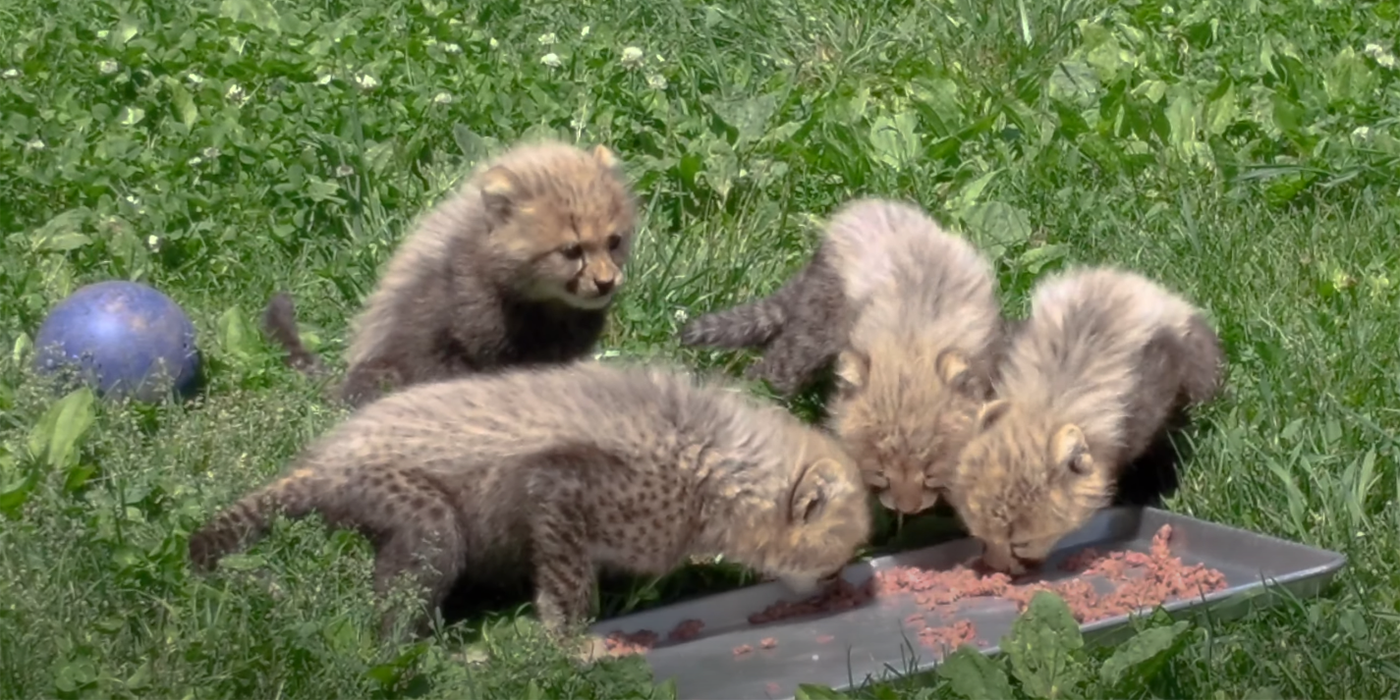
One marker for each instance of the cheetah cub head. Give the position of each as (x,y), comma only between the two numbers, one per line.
(1024,481)
(562,220)
(822,515)
(905,412)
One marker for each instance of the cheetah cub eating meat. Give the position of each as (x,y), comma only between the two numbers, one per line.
(541,475)
(910,314)
(517,267)
(1089,381)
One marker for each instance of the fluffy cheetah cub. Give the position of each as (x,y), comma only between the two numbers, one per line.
(1089,381)
(910,314)
(517,267)
(541,475)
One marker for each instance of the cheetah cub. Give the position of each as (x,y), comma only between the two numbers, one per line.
(910,314)
(517,267)
(1089,381)
(541,475)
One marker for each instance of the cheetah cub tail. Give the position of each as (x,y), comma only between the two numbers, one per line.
(247,521)
(280,323)
(744,326)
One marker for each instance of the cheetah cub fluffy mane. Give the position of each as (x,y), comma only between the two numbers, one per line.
(1089,381)
(910,314)
(517,267)
(541,475)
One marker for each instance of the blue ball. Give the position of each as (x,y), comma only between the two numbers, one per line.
(124,339)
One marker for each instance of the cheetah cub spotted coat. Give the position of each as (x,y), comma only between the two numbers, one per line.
(542,475)
(1090,380)
(517,267)
(910,315)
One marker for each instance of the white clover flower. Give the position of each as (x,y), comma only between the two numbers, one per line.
(551,60)
(10,74)
(657,81)
(1361,133)
(631,56)
(37,144)
(493,43)
(452,48)
(583,33)
(211,152)
(153,241)
(1380,55)
(681,316)
(366,81)
(344,170)
(102,33)
(235,93)
(194,78)
(106,66)
(194,161)
(548,39)
(442,98)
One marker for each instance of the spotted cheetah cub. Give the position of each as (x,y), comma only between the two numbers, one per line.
(517,267)
(1089,381)
(541,475)
(909,313)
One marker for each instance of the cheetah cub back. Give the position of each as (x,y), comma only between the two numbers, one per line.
(1090,380)
(519,266)
(547,474)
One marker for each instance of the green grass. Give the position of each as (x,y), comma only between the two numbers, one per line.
(1243,153)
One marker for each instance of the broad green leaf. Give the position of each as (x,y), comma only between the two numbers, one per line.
(1221,112)
(14,494)
(127,29)
(1349,79)
(1142,655)
(1042,646)
(57,433)
(78,476)
(184,104)
(131,116)
(806,691)
(259,13)
(234,335)
(997,226)
(748,116)
(974,676)
(895,140)
(63,232)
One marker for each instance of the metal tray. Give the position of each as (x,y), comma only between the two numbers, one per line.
(872,642)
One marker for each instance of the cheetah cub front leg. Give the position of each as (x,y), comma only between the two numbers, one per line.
(563,570)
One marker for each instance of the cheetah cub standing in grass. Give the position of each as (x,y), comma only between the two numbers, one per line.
(541,475)
(1089,381)
(911,316)
(518,267)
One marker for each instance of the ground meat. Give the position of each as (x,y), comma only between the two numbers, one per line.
(840,596)
(1139,580)
(773,688)
(620,643)
(685,631)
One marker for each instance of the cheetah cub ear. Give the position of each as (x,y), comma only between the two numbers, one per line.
(605,156)
(990,413)
(499,191)
(812,491)
(953,369)
(1070,451)
(852,369)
